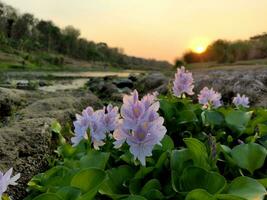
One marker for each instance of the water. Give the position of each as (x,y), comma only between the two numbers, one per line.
(66,80)
(71,85)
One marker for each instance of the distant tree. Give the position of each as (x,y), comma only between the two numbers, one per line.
(70,39)
(178,63)
(49,35)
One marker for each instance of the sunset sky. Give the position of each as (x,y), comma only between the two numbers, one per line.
(161,29)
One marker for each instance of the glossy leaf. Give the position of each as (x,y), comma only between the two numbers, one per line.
(88,179)
(198,152)
(247,188)
(238,120)
(249,156)
(48,196)
(198,178)
(199,194)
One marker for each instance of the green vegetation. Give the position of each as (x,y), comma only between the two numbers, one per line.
(214,154)
(43,43)
(223,51)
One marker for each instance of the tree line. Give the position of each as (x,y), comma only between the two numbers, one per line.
(25,32)
(223,51)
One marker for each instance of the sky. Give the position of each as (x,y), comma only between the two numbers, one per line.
(160,29)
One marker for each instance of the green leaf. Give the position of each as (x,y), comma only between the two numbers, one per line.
(237,120)
(135,197)
(178,159)
(168,109)
(56,127)
(154,195)
(212,118)
(247,188)
(187,116)
(56,176)
(143,171)
(167,143)
(48,196)
(228,197)
(263,181)
(198,152)
(135,185)
(199,194)
(114,185)
(150,185)
(198,178)
(95,159)
(88,179)
(68,193)
(162,159)
(249,156)
(262,129)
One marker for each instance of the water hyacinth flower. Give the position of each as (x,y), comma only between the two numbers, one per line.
(141,127)
(110,117)
(241,101)
(97,122)
(6,180)
(209,98)
(183,82)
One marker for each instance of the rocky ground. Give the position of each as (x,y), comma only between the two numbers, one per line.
(26,115)
(25,135)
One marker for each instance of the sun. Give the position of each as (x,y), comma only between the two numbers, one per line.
(199,49)
(199,44)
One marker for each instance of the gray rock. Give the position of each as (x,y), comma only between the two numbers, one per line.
(23,84)
(151,82)
(122,83)
(107,90)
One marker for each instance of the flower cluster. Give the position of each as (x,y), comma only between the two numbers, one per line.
(183,82)
(98,123)
(208,97)
(241,101)
(6,180)
(139,124)
(141,127)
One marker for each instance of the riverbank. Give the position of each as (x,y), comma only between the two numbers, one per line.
(26,140)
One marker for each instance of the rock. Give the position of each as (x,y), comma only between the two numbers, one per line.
(23,85)
(25,146)
(110,78)
(163,89)
(95,84)
(230,82)
(126,90)
(150,82)
(26,143)
(117,97)
(122,83)
(43,83)
(10,99)
(61,108)
(107,90)
(133,77)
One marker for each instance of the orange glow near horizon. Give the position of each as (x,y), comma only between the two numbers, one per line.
(199,44)
(199,49)
(160,29)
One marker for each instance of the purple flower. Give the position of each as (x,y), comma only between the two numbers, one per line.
(111,117)
(208,97)
(98,122)
(241,101)
(5,180)
(141,127)
(183,82)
